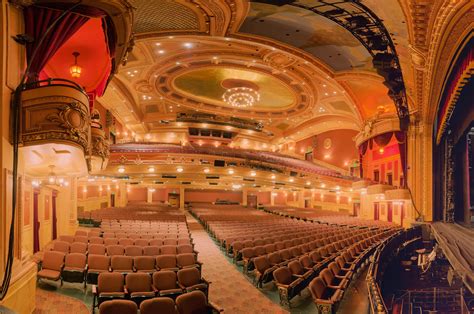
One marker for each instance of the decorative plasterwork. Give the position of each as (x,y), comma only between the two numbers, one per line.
(210,17)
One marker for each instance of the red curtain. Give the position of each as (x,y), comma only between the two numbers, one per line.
(383,139)
(37,21)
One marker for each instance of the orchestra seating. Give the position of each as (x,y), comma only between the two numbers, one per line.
(293,253)
(127,257)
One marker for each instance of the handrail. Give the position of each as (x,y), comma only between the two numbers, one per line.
(51,82)
(386,250)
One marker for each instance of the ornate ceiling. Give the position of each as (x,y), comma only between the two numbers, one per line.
(312,74)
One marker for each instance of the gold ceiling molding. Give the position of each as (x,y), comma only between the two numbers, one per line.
(174,17)
(455,22)
(323,124)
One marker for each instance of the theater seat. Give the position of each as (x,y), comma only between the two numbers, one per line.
(299,271)
(133,250)
(96,249)
(187,260)
(144,264)
(166,262)
(78,247)
(74,268)
(138,286)
(61,246)
(121,264)
(161,305)
(109,286)
(118,307)
(96,264)
(165,283)
(288,285)
(53,263)
(263,270)
(189,279)
(332,281)
(193,303)
(324,297)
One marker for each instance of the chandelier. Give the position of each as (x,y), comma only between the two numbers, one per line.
(241,97)
(240,93)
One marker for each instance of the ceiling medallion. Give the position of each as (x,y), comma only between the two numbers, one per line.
(240,93)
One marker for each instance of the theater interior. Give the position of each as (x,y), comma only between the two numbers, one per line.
(237,156)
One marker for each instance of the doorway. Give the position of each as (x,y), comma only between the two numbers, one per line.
(252,201)
(112,200)
(376,175)
(389,211)
(173,199)
(376,211)
(54,218)
(356,208)
(36,223)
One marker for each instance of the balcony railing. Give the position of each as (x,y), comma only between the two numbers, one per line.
(55,111)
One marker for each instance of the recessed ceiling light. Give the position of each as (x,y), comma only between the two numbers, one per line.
(308,183)
(151,169)
(161,52)
(179,169)
(273,176)
(253,173)
(323,185)
(206,170)
(157,44)
(230,171)
(291,179)
(188,45)
(121,169)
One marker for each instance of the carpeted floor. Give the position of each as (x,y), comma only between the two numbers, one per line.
(229,290)
(54,303)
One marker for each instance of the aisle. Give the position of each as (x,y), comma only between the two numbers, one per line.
(229,289)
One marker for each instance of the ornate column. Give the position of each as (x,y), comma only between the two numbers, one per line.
(149,195)
(244,196)
(449,166)
(181,198)
(420,168)
(272,198)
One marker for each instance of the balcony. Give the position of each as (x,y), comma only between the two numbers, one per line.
(99,147)
(55,127)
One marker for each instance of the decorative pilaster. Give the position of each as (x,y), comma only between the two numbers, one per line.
(449,181)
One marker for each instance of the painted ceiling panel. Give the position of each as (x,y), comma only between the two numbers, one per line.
(310,32)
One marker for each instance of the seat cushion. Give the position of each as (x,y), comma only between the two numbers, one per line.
(112,295)
(78,269)
(170,291)
(149,294)
(49,274)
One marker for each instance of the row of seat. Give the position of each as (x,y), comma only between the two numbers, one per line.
(141,286)
(136,238)
(189,303)
(129,250)
(79,268)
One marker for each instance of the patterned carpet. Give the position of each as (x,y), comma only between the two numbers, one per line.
(55,303)
(229,289)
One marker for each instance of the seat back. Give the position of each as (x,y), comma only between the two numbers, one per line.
(274,258)
(96,240)
(115,250)
(151,250)
(125,241)
(164,280)
(98,249)
(166,261)
(144,263)
(185,248)
(261,263)
(78,247)
(98,262)
(168,249)
(306,261)
(141,242)
(189,277)
(110,241)
(77,260)
(296,268)
(283,275)
(61,246)
(66,238)
(82,239)
(156,242)
(118,306)
(192,302)
(133,250)
(119,262)
(185,259)
(138,282)
(162,305)
(53,260)
(327,276)
(317,288)
(110,282)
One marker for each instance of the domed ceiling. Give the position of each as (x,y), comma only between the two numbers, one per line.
(207,85)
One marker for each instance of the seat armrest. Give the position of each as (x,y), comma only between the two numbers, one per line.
(324,301)
(94,289)
(207,282)
(215,307)
(181,286)
(280,285)
(125,290)
(341,287)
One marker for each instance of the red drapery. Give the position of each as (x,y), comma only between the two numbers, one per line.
(37,21)
(382,140)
